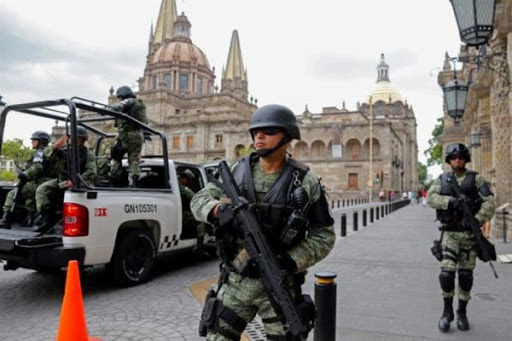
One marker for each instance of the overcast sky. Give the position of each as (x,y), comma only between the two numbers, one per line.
(296,52)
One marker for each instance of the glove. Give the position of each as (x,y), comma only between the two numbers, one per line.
(225,215)
(456,203)
(22,177)
(287,262)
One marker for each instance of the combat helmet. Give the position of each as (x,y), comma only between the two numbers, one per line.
(457,149)
(42,136)
(81,132)
(275,115)
(124,92)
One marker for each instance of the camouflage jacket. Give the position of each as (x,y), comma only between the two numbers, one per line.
(133,107)
(440,202)
(319,240)
(37,166)
(58,164)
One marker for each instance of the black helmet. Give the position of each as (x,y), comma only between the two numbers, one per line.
(457,149)
(42,136)
(124,92)
(275,115)
(81,132)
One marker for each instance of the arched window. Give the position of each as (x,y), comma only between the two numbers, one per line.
(353,150)
(375,149)
(301,150)
(318,149)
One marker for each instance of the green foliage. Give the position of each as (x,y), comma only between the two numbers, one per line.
(434,153)
(422,172)
(7,176)
(15,150)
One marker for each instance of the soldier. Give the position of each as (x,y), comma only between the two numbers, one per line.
(130,138)
(459,246)
(189,222)
(48,191)
(267,178)
(34,174)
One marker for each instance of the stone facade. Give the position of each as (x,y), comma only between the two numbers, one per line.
(488,110)
(204,123)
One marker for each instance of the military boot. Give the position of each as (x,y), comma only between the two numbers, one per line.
(29,219)
(135,181)
(199,248)
(5,222)
(447,318)
(43,223)
(462,319)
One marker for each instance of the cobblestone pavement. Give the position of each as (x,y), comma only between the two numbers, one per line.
(387,289)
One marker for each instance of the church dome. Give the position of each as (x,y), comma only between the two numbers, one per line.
(179,48)
(383,90)
(179,51)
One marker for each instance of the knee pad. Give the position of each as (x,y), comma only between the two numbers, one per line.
(447,280)
(465,279)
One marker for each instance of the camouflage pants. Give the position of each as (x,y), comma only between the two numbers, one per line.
(27,197)
(459,253)
(46,195)
(246,297)
(131,143)
(189,222)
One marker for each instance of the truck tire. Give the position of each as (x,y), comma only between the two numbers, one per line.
(134,258)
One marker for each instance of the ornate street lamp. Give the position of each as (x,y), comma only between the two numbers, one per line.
(475,139)
(475,19)
(455,93)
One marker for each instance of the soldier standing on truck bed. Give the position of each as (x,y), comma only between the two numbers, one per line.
(130,138)
(35,174)
(58,161)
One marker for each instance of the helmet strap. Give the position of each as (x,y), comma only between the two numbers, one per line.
(268,151)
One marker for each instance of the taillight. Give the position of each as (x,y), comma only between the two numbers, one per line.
(75,220)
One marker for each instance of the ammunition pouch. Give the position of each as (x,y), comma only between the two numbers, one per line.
(209,315)
(117,152)
(294,229)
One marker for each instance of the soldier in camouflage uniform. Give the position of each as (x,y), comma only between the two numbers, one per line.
(459,246)
(266,178)
(49,191)
(35,173)
(129,138)
(189,222)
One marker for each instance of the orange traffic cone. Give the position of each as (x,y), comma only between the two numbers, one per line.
(72,326)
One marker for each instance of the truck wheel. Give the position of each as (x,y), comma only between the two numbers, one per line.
(133,259)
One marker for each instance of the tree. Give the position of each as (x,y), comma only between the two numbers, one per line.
(15,150)
(422,172)
(434,153)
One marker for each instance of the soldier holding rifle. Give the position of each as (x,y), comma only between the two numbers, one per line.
(463,203)
(282,201)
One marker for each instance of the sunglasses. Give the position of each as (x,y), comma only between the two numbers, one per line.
(266,131)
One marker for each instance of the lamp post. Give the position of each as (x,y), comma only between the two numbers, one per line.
(475,19)
(370,177)
(455,93)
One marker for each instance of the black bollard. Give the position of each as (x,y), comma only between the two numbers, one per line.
(343,202)
(338,203)
(355,221)
(343,224)
(332,204)
(365,212)
(377,213)
(325,301)
(371,215)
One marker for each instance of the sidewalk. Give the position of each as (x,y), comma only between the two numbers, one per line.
(388,289)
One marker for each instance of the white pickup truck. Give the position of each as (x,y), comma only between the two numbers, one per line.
(123,228)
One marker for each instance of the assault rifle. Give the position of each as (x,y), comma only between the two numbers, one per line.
(257,247)
(487,251)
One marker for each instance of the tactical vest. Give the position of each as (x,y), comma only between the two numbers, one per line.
(275,208)
(452,216)
(62,163)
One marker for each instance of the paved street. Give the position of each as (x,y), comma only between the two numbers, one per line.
(387,290)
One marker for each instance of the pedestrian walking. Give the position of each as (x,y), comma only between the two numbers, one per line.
(459,246)
(265,177)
